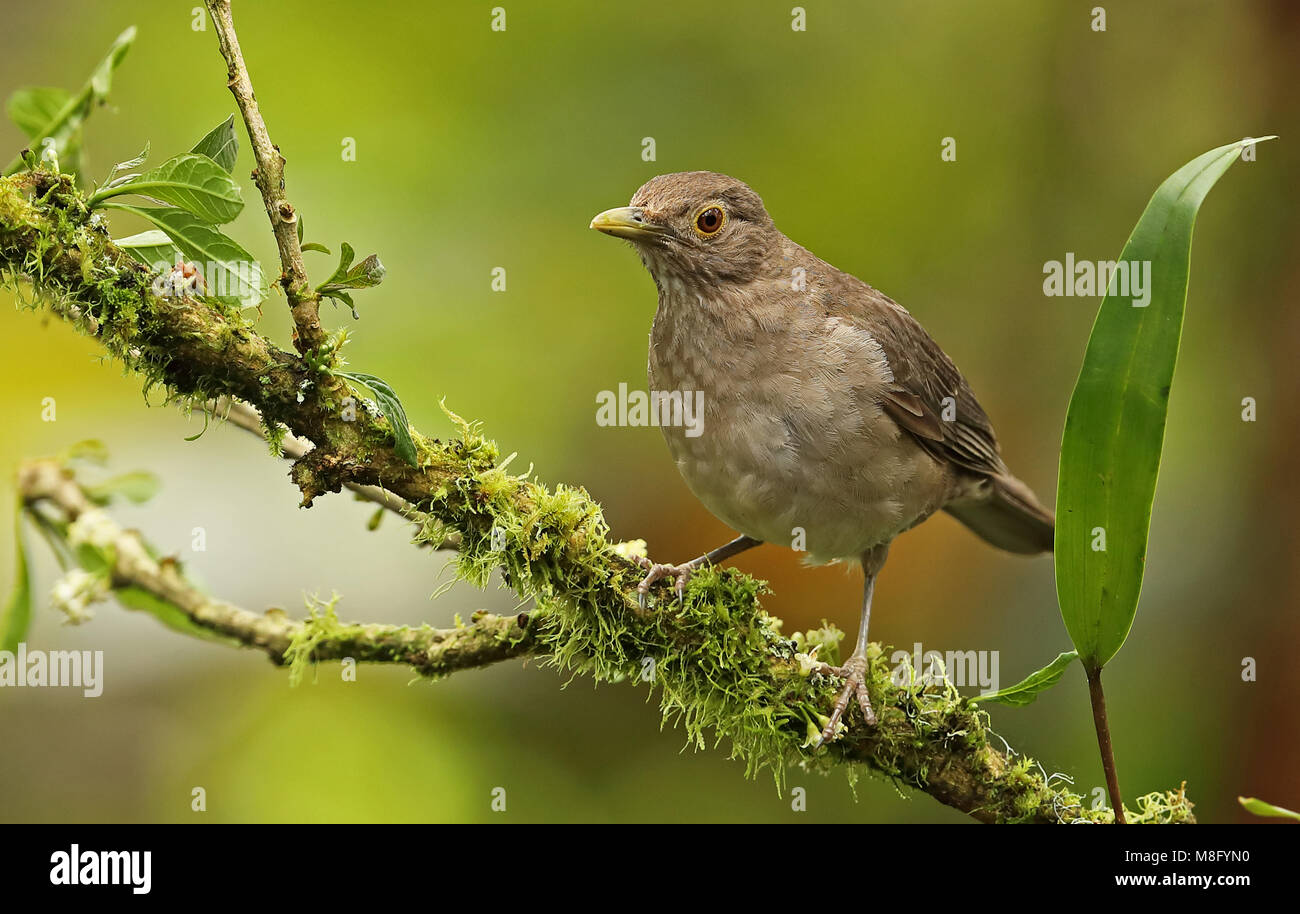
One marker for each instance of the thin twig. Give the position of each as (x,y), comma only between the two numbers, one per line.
(292,447)
(487,640)
(269,175)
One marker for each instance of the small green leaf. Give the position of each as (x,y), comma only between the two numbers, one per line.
(231,272)
(1026,690)
(152,248)
(193,182)
(33,109)
(1115,424)
(172,616)
(1260,808)
(92,450)
(368,273)
(392,409)
(137,487)
(313,246)
(64,126)
(221,145)
(136,161)
(18,611)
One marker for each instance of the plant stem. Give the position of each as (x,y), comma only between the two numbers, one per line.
(1103,742)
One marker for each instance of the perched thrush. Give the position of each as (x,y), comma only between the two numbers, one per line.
(828,411)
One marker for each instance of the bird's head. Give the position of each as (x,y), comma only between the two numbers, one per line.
(696,228)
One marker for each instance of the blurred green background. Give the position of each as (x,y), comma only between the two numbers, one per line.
(477,149)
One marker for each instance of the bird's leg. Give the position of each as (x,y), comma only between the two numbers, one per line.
(854,670)
(682,573)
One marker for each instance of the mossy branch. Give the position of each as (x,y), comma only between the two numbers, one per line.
(130,567)
(721,664)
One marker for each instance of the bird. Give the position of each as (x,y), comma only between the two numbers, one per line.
(831,420)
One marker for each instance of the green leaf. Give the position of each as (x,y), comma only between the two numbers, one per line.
(153,248)
(392,408)
(63,127)
(137,487)
(230,272)
(32,109)
(92,450)
(368,273)
(1026,690)
(1260,808)
(313,246)
(113,178)
(18,611)
(193,182)
(168,614)
(221,145)
(1114,428)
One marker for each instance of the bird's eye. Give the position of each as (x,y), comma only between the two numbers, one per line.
(710,220)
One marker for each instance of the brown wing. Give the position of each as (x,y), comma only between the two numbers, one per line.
(924,377)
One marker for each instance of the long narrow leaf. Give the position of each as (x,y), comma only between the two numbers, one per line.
(1114,429)
(18,610)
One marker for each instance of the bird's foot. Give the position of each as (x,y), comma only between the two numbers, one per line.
(854,672)
(657,572)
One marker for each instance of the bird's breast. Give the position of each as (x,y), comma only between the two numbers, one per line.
(792,446)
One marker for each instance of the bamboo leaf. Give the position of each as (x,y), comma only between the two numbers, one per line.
(193,182)
(1114,428)
(1026,690)
(1260,808)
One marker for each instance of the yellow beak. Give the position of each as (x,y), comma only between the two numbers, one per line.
(629,222)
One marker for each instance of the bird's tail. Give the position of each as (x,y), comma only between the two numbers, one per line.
(1010,517)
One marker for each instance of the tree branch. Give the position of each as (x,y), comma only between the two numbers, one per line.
(269,175)
(429,651)
(291,446)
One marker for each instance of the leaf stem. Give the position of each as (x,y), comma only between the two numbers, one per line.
(1103,742)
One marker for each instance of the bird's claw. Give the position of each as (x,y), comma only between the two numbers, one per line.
(854,672)
(657,572)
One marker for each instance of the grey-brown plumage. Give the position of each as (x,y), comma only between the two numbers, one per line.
(831,421)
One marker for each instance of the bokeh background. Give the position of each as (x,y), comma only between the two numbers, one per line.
(478,149)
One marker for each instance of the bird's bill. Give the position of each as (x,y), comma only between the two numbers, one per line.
(629,222)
